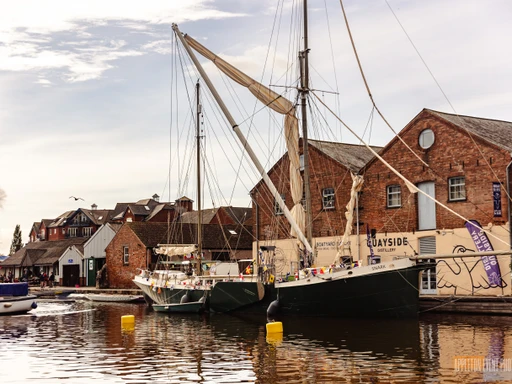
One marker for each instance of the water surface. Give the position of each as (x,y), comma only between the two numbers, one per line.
(83,342)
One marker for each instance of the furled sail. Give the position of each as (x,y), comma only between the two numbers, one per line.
(175,250)
(279,104)
(357,185)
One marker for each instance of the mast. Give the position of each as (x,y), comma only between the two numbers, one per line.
(304,89)
(198,157)
(243,140)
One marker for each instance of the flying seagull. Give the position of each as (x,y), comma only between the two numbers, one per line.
(76,198)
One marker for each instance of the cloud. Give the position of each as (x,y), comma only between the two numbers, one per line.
(44,82)
(64,35)
(159,46)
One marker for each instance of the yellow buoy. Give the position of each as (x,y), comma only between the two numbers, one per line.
(127,320)
(275,327)
(275,339)
(128,327)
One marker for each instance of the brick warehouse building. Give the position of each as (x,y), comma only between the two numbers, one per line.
(458,151)
(330,180)
(467,159)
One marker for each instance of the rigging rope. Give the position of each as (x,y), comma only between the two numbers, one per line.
(462,122)
(368,88)
(412,187)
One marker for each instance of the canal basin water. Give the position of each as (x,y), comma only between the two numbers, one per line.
(83,342)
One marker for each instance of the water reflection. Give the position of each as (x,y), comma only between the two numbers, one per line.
(84,341)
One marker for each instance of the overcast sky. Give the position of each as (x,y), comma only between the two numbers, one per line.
(85,91)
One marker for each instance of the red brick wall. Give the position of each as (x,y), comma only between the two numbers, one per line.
(325,173)
(452,154)
(33,235)
(186,204)
(120,275)
(50,235)
(129,216)
(45,229)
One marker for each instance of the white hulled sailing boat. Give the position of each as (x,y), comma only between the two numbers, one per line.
(188,290)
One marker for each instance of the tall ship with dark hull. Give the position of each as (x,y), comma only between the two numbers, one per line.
(344,287)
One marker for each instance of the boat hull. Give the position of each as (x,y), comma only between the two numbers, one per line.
(168,295)
(384,290)
(224,296)
(194,307)
(17,304)
(392,293)
(228,296)
(115,298)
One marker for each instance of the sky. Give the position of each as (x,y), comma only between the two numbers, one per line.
(85,87)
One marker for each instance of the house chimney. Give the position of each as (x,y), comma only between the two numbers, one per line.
(94,207)
(156,198)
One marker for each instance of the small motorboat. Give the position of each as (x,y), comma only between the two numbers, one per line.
(14,299)
(113,298)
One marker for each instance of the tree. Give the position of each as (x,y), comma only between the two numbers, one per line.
(16,244)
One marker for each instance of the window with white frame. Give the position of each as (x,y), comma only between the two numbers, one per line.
(87,232)
(394,196)
(301,162)
(72,232)
(457,188)
(277,208)
(328,198)
(126,254)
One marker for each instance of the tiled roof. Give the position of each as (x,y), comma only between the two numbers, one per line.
(184,198)
(115,226)
(497,132)
(61,220)
(140,210)
(119,210)
(159,208)
(98,216)
(43,252)
(192,217)
(239,214)
(214,235)
(46,222)
(36,226)
(352,156)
